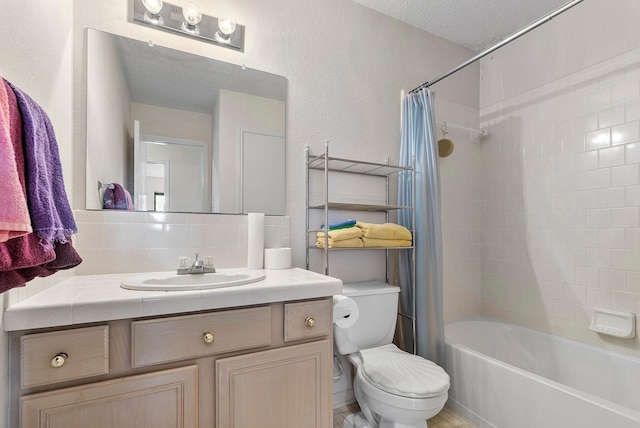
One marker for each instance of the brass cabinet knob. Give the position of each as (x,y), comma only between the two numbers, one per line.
(59,360)
(310,322)
(208,338)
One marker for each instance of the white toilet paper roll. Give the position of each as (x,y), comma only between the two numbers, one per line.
(255,241)
(277,258)
(345,311)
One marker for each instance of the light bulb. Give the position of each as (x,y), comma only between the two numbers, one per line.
(153,6)
(226,26)
(152,14)
(192,13)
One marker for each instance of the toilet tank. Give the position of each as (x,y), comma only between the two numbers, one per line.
(378,306)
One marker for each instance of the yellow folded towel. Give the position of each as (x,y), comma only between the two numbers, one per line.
(341,234)
(373,242)
(384,231)
(345,243)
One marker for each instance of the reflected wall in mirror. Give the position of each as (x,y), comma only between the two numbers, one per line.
(181,132)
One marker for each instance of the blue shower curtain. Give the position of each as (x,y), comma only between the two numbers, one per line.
(419,142)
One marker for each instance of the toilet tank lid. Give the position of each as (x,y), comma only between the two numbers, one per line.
(368,288)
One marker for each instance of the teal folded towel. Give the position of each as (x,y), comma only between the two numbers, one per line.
(341,225)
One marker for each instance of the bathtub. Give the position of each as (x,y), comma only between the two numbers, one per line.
(507,376)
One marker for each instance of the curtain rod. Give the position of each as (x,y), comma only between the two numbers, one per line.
(499,44)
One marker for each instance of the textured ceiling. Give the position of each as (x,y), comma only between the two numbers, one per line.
(475,24)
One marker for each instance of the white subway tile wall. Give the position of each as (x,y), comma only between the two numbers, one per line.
(560,198)
(460,198)
(115,242)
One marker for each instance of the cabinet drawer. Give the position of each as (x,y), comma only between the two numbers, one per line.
(307,319)
(63,355)
(178,338)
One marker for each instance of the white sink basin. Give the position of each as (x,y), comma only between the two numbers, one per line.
(170,281)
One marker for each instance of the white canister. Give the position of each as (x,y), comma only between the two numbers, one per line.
(277,258)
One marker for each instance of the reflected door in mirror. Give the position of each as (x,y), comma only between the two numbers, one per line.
(263,172)
(174,168)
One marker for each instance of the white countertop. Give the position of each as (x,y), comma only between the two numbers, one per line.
(97,298)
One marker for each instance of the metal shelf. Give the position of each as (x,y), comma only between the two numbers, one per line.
(327,164)
(355,166)
(347,206)
(313,247)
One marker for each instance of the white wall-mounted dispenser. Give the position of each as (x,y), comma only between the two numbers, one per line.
(345,311)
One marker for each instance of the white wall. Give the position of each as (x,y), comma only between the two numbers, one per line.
(172,123)
(109,108)
(561,173)
(460,199)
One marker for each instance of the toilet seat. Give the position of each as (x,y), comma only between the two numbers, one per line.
(402,374)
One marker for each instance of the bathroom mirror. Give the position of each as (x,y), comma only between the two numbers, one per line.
(181,132)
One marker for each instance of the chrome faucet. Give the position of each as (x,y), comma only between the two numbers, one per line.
(198,267)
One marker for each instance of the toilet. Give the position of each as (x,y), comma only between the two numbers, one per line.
(394,389)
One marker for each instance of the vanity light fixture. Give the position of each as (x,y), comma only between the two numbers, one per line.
(188,20)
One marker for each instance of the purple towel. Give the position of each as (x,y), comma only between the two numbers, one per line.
(116,197)
(65,257)
(51,215)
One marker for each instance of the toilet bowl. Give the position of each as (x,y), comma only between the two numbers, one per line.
(394,389)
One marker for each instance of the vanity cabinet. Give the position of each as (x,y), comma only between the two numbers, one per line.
(266,365)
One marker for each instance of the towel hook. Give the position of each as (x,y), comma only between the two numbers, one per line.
(443,128)
(445,145)
(102,185)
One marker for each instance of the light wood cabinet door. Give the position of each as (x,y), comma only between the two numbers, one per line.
(165,399)
(284,388)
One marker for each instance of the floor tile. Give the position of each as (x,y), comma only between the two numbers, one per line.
(447,418)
